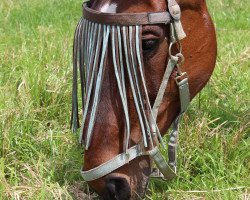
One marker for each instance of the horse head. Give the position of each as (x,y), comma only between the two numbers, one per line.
(123,60)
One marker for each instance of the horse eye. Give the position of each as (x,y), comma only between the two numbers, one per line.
(149,45)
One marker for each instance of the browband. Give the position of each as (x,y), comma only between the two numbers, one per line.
(128,19)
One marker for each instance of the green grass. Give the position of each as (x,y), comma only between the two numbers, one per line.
(40,158)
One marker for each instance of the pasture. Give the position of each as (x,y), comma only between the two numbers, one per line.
(39,156)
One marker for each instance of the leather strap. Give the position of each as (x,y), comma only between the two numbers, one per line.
(168,171)
(98,83)
(113,164)
(125,18)
(175,12)
(184,94)
(171,64)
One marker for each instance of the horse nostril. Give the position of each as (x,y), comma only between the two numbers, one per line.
(117,188)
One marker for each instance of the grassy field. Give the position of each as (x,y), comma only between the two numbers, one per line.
(40,158)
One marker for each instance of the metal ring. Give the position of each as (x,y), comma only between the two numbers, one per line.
(170,48)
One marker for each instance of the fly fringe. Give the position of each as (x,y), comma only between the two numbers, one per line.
(91,45)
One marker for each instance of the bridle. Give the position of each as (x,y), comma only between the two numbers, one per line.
(92,35)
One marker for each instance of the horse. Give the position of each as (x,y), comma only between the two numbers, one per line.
(140,63)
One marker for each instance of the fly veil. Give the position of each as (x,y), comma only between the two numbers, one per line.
(96,32)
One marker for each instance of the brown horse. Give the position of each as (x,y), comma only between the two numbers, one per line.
(199,49)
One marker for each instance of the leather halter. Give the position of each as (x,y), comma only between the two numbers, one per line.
(167,169)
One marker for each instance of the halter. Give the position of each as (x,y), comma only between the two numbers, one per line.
(123,30)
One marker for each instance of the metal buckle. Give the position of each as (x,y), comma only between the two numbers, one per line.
(180,77)
(156,174)
(181,60)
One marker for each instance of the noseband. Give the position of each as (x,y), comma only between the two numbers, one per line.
(124,30)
